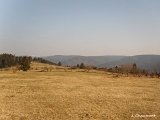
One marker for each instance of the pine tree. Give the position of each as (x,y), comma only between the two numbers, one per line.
(77,65)
(134,69)
(25,63)
(59,64)
(82,66)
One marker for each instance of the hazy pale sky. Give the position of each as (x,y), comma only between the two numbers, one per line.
(79,27)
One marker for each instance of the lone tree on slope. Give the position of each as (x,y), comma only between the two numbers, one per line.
(59,64)
(25,63)
(82,66)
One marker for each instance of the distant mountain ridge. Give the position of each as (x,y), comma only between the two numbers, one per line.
(59,58)
(148,62)
(72,60)
(143,61)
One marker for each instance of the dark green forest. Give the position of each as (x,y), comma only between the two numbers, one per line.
(8,60)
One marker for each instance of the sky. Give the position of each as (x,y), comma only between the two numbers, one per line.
(80,27)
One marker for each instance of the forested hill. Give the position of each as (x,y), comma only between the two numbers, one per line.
(41,60)
(8,60)
(149,62)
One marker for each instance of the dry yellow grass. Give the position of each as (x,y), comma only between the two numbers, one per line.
(76,95)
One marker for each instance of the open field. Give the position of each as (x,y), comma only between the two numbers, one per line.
(60,95)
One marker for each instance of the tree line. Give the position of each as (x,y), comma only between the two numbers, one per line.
(8,60)
(129,68)
(41,60)
(121,70)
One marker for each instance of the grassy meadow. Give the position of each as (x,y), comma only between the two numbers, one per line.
(76,95)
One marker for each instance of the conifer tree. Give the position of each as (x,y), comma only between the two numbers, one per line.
(25,63)
(82,66)
(59,64)
(77,65)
